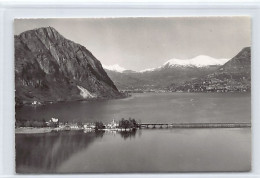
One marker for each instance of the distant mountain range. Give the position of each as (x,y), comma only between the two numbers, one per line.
(234,75)
(198,61)
(189,74)
(49,67)
(172,71)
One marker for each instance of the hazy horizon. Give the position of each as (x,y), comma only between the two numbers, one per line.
(141,43)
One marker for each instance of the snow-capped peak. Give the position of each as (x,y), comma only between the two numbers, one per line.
(199,61)
(115,68)
(148,70)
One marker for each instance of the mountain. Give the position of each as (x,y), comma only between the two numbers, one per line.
(176,70)
(234,75)
(49,67)
(149,70)
(162,77)
(241,63)
(115,68)
(199,61)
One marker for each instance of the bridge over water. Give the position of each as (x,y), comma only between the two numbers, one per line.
(194,125)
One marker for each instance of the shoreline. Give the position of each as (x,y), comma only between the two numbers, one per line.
(35,130)
(32,130)
(29,103)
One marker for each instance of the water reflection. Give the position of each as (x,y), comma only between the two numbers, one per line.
(44,152)
(39,153)
(128,134)
(146,150)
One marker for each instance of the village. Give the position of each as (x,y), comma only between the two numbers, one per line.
(214,84)
(56,125)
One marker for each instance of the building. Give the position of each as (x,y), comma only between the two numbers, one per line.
(112,125)
(53,122)
(89,126)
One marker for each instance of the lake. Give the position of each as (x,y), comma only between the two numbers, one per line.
(144,150)
(149,108)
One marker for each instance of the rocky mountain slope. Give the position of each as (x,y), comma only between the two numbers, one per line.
(241,63)
(49,67)
(235,75)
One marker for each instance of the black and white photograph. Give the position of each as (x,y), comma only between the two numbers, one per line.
(132,94)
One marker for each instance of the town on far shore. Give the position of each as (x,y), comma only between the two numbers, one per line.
(57,125)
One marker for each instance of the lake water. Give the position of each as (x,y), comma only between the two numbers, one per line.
(150,108)
(152,150)
(146,150)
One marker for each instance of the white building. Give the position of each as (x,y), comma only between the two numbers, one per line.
(89,126)
(112,125)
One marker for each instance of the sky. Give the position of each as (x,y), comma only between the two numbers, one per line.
(141,43)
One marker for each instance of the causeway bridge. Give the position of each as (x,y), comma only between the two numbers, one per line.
(194,125)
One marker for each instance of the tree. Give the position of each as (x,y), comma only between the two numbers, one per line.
(18,123)
(123,123)
(44,123)
(133,123)
(99,125)
(130,123)
(27,124)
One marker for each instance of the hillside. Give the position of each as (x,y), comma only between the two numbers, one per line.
(234,75)
(49,67)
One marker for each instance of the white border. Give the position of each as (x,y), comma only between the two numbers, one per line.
(75,9)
